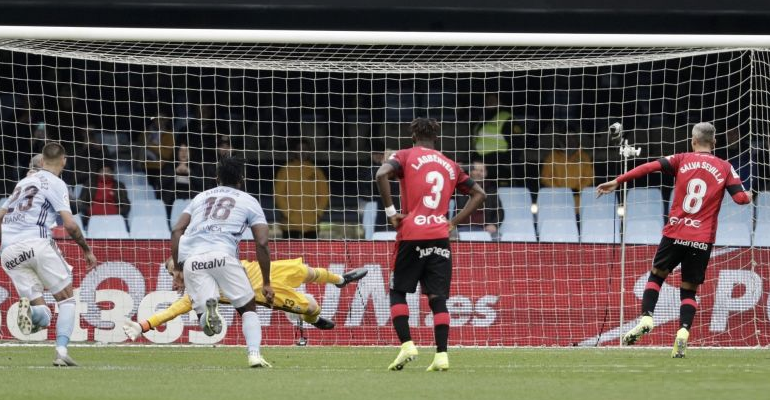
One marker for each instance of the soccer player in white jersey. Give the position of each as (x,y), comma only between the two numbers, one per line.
(30,255)
(204,247)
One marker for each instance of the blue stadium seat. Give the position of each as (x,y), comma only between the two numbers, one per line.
(475,236)
(107,227)
(555,203)
(148,208)
(644,216)
(559,231)
(384,235)
(762,229)
(556,215)
(147,227)
(733,234)
(76,190)
(735,223)
(518,222)
(369,219)
(598,218)
(731,212)
(176,210)
(140,192)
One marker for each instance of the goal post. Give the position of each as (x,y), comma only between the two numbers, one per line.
(161,106)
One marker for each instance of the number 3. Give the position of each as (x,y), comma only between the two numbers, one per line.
(437,180)
(696,190)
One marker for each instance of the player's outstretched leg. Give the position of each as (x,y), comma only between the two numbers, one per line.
(211,320)
(644,326)
(399,313)
(64,326)
(649,301)
(352,276)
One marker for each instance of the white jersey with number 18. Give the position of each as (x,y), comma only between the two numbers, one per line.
(219,217)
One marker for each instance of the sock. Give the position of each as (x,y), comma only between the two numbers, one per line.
(41,315)
(324,276)
(399,314)
(64,325)
(440,323)
(687,309)
(651,293)
(312,318)
(252,331)
(180,307)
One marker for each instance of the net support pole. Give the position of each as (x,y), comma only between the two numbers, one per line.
(626,151)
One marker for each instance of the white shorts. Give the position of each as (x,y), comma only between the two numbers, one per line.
(35,265)
(206,274)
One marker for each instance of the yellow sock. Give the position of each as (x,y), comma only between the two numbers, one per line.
(312,318)
(324,276)
(177,308)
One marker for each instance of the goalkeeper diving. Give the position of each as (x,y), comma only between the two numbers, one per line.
(285,276)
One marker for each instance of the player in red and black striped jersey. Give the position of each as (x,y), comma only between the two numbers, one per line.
(700,182)
(422,253)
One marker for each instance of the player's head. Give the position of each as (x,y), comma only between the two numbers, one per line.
(54,157)
(424,130)
(230,172)
(703,136)
(35,164)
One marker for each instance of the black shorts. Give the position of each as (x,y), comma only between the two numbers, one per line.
(428,262)
(694,257)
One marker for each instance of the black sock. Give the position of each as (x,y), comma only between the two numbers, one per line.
(687,309)
(399,314)
(440,323)
(651,293)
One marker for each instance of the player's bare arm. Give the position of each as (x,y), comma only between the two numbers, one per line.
(478,196)
(77,235)
(383,177)
(176,234)
(260,232)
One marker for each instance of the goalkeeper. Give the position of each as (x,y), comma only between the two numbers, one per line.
(285,276)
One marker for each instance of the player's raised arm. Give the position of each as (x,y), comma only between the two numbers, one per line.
(638,172)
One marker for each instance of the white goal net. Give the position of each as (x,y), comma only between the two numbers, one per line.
(144,124)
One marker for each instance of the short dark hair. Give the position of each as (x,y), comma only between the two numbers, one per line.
(425,128)
(53,151)
(230,171)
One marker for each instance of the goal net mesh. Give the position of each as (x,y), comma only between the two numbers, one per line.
(541,265)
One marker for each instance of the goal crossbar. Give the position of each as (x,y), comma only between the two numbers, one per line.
(383,38)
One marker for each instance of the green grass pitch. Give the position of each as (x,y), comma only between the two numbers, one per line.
(343,373)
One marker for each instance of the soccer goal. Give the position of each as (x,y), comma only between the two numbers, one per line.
(547,264)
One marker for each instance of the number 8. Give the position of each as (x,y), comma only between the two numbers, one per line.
(696,190)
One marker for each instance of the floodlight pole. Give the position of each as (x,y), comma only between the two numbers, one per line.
(626,151)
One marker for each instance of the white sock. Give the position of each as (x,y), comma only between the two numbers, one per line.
(41,315)
(252,331)
(64,324)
